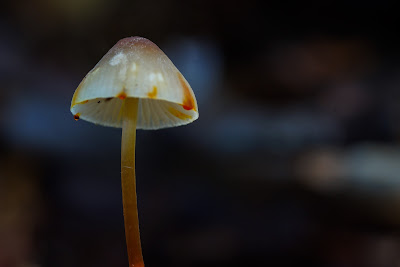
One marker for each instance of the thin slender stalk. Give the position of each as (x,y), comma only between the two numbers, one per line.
(128,182)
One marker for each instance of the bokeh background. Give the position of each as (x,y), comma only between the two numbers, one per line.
(295,159)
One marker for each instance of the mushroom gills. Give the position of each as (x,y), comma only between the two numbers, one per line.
(152,113)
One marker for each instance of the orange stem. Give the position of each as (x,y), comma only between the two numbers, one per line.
(128,182)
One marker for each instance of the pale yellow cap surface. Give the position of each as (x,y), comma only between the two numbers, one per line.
(135,67)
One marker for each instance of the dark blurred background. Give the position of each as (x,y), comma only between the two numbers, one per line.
(295,159)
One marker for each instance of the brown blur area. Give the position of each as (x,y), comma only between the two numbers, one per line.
(294,161)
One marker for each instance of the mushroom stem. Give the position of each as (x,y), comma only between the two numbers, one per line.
(130,109)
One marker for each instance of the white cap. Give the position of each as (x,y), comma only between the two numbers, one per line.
(135,67)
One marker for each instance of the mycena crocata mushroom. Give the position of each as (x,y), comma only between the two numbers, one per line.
(134,86)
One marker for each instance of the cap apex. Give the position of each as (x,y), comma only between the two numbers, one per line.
(135,41)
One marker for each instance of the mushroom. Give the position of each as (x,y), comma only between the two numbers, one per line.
(134,86)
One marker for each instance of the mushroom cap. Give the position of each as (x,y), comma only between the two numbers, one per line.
(135,67)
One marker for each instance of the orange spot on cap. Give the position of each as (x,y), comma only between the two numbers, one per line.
(188,101)
(179,114)
(187,107)
(73,103)
(76,116)
(80,103)
(153,93)
(121,95)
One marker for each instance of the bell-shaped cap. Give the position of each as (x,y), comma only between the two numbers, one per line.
(135,67)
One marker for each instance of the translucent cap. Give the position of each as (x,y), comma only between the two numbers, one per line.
(135,67)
